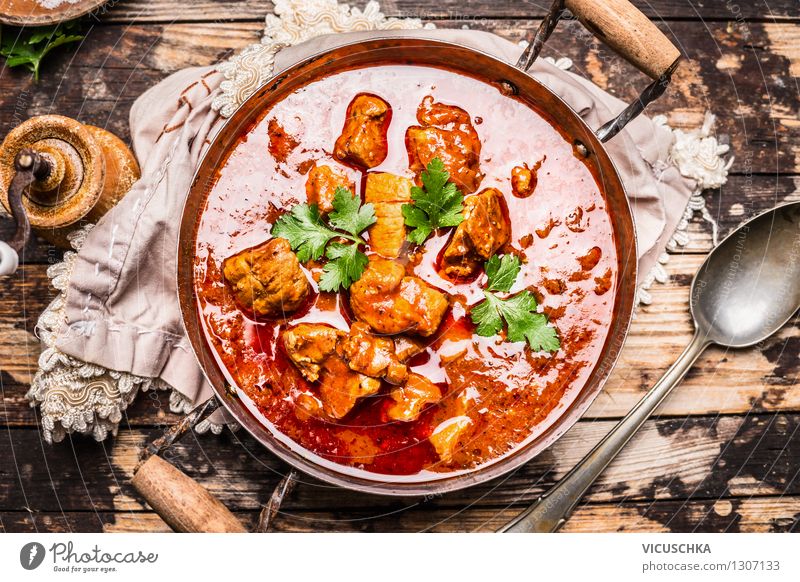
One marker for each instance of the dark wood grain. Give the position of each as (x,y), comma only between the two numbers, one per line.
(232,10)
(700,458)
(759,514)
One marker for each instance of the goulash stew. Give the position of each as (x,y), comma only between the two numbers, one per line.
(402,269)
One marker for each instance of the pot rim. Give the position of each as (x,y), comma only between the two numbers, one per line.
(357,479)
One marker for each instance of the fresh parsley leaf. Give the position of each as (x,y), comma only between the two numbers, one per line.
(345,266)
(349,214)
(487,316)
(518,312)
(309,237)
(502,272)
(438,204)
(524,323)
(534,329)
(29,46)
(304,230)
(418,220)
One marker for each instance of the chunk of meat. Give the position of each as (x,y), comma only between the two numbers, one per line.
(411,398)
(483,231)
(446,436)
(372,355)
(307,406)
(406,348)
(361,449)
(363,138)
(391,302)
(387,193)
(267,279)
(340,388)
(445,132)
(308,345)
(322,183)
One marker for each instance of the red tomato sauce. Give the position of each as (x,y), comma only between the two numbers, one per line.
(509,392)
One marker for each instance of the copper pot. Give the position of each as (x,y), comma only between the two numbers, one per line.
(658,61)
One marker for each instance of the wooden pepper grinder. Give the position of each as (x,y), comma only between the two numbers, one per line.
(57,174)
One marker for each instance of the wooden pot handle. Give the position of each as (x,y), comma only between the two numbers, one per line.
(621,25)
(181,501)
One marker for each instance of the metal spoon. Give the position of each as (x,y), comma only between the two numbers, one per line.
(746,290)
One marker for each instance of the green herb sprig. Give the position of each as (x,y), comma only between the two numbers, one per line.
(437,204)
(27,47)
(518,311)
(309,237)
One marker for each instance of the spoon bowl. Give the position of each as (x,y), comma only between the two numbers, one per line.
(749,285)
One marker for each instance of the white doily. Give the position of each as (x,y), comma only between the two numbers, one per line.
(80,397)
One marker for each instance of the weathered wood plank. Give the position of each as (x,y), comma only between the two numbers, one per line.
(753,515)
(23,297)
(741,381)
(745,72)
(731,71)
(756,515)
(230,10)
(743,197)
(97,83)
(701,458)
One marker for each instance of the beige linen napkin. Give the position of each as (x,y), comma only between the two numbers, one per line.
(121,310)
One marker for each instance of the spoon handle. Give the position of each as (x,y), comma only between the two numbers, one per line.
(554,507)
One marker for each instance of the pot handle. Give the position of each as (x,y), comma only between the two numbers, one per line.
(181,501)
(624,28)
(178,499)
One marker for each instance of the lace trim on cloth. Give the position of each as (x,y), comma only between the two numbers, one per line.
(293,22)
(75,396)
(80,397)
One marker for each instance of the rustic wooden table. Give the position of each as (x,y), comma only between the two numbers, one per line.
(724,453)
